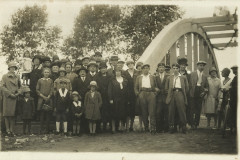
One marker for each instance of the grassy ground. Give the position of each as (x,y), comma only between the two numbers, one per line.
(199,141)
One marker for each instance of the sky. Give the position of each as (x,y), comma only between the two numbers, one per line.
(63,14)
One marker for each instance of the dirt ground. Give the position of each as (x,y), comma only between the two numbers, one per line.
(200,141)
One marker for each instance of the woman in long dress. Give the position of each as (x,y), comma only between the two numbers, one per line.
(223,95)
(118,96)
(210,105)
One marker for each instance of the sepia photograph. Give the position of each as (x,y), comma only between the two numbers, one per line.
(121,79)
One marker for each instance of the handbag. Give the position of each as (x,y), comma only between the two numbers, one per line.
(46,106)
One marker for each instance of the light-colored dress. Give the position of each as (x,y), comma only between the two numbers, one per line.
(210,103)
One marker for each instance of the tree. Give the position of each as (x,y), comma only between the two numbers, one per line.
(96,28)
(28,31)
(144,22)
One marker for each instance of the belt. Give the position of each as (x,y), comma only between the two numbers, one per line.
(177,89)
(147,89)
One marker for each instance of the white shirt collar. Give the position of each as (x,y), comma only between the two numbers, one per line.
(61,93)
(77,104)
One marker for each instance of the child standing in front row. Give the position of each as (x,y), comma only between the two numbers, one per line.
(92,103)
(44,90)
(62,99)
(77,112)
(27,107)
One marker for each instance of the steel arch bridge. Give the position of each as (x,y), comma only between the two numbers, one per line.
(191,38)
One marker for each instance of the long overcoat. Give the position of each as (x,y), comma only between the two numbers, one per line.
(10,85)
(92,106)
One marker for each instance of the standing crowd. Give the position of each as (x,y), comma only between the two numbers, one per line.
(90,97)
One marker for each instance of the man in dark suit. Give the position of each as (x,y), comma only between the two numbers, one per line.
(177,86)
(145,87)
(113,63)
(92,68)
(80,84)
(85,62)
(162,108)
(198,87)
(234,98)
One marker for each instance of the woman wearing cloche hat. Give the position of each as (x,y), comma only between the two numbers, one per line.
(210,103)
(11,89)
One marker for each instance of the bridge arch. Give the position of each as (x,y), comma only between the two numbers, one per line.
(185,38)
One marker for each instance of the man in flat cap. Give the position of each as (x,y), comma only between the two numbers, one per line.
(162,108)
(198,86)
(145,88)
(234,98)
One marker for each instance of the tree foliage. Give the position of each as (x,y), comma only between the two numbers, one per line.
(145,21)
(96,29)
(28,31)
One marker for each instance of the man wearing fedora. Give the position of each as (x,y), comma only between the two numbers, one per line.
(234,98)
(177,86)
(85,61)
(92,70)
(80,84)
(34,76)
(145,88)
(113,63)
(198,87)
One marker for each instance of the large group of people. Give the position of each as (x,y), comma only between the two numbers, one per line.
(93,95)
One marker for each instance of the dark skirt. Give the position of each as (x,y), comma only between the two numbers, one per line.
(119,109)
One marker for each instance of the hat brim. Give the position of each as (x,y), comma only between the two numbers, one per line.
(13,66)
(93,64)
(204,63)
(78,71)
(145,66)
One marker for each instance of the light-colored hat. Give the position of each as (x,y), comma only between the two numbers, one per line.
(129,61)
(201,62)
(93,83)
(62,69)
(212,69)
(92,63)
(26,89)
(86,57)
(12,64)
(144,65)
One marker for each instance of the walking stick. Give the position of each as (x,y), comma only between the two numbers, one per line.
(226,117)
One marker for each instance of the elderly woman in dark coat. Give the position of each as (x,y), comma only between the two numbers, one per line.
(11,89)
(118,95)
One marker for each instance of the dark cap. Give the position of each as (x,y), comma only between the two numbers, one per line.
(167,67)
(175,65)
(102,65)
(37,57)
(161,64)
(114,58)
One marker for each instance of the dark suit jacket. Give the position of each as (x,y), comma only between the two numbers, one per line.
(162,93)
(80,86)
(193,83)
(92,78)
(169,88)
(138,84)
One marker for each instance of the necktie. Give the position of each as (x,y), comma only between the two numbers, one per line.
(83,79)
